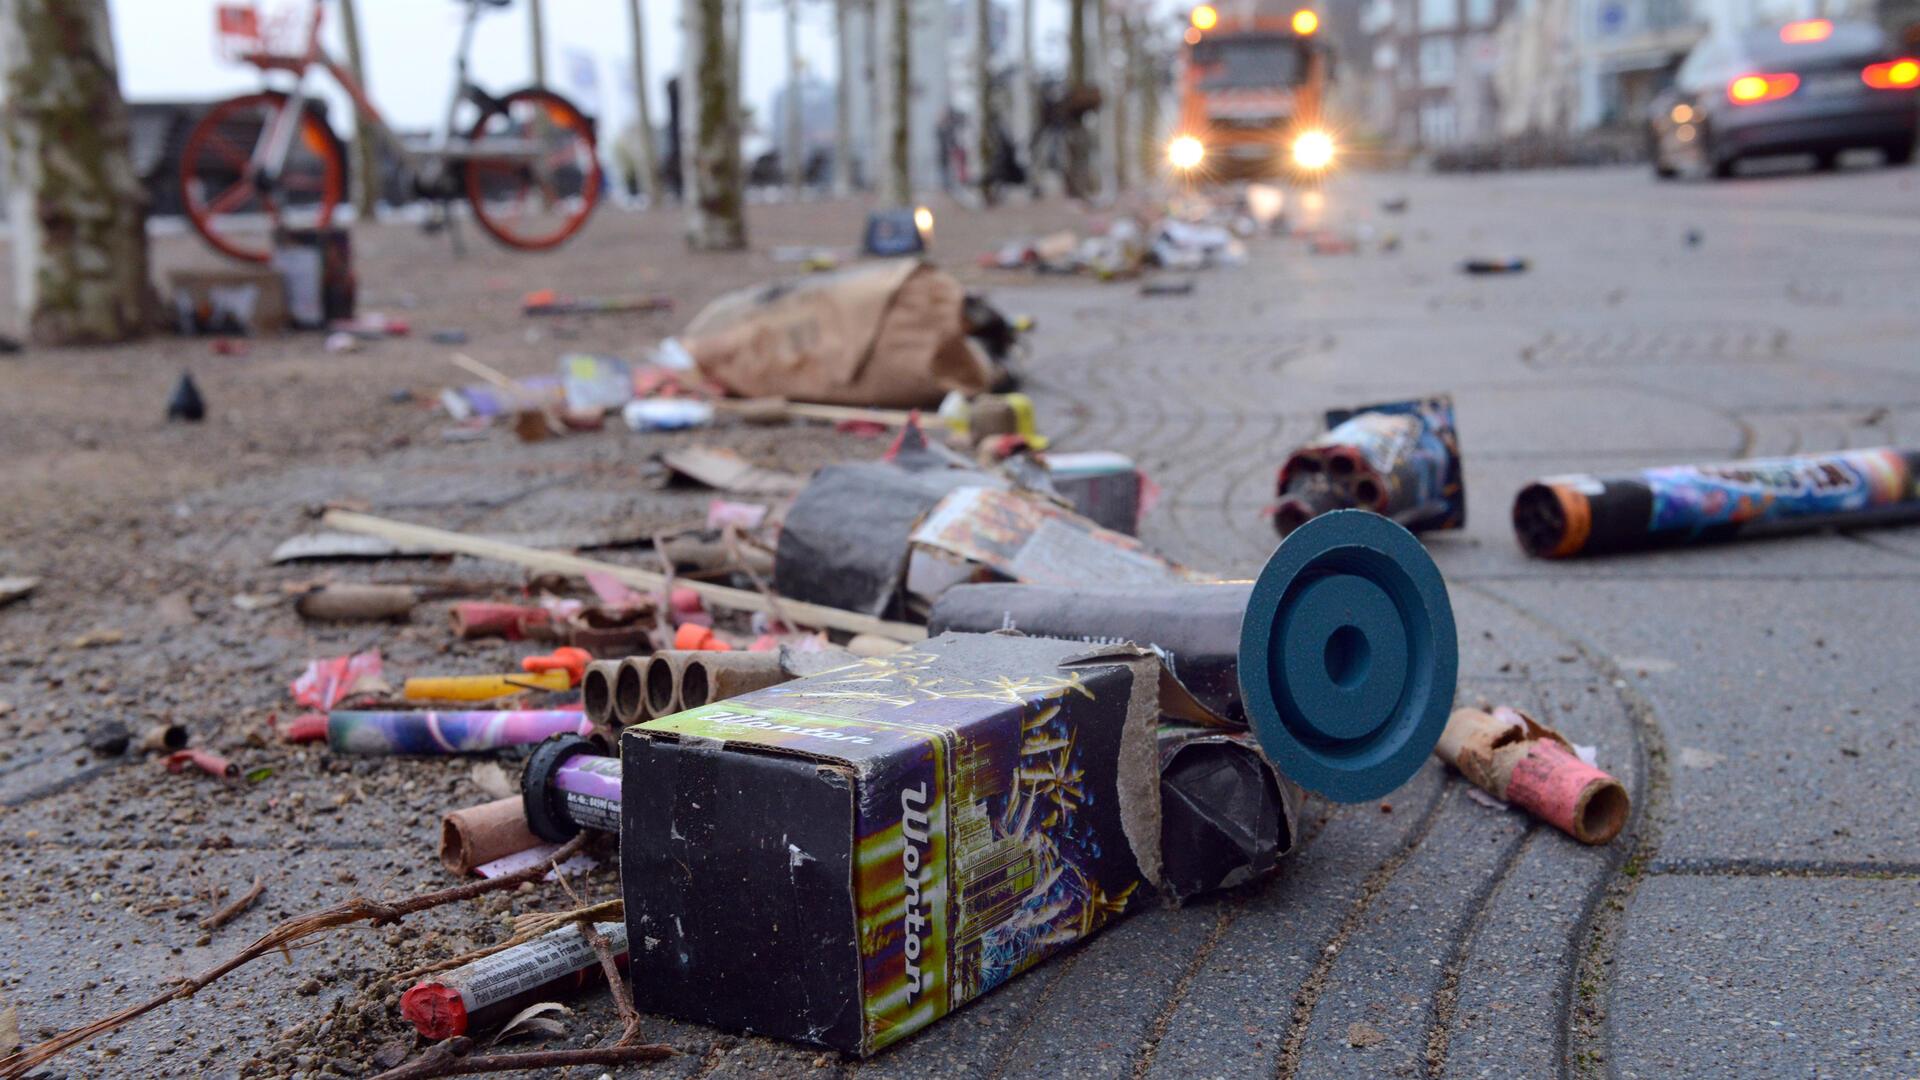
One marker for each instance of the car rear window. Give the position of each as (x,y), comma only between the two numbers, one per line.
(1848,41)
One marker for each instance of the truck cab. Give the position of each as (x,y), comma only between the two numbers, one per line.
(1251,90)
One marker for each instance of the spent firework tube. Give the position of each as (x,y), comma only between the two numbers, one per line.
(1562,516)
(1400,459)
(1514,757)
(449,1003)
(569,785)
(355,732)
(1196,628)
(1226,814)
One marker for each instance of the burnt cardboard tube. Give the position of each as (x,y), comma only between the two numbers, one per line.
(662,683)
(596,691)
(718,676)
(630,690)
(481,834)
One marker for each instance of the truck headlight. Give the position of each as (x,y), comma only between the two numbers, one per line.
(1313,150)
(1186,152)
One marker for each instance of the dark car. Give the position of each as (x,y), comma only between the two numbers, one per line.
(1810,87)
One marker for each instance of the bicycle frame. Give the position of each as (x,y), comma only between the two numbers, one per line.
(427,166)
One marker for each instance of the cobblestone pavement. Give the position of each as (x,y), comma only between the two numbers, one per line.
(1761,915)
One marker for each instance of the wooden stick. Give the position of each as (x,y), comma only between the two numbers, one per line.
(832,413)
(233,911)
(559,562)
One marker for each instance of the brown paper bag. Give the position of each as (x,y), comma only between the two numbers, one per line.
(885,335)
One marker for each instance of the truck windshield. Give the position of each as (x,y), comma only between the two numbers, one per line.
(1248,62)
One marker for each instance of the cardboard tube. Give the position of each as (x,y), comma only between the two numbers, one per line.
(163,739)
(596,692)
(661,682)
(1512,756)
(481,834)
(514,622)
(363,603)
(630,691)
(718,676)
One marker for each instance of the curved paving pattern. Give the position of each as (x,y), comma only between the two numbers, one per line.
(1430,935)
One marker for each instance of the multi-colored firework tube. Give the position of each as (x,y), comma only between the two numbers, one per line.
(1226,815)
(1514,757)
(1348,657)
(1195,628)
(354,732)
(569,785)
(453,1002)
(1400,459)
(1561,516)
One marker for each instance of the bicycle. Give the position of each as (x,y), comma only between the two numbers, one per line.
(527,165)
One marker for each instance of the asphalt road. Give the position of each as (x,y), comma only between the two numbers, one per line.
(1760,917)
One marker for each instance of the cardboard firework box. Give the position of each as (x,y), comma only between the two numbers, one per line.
(844,859)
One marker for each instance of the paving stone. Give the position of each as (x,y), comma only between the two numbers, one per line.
(1780,976)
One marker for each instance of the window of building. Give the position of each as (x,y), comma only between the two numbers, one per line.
(1439,14)
(1480,12)
(1436,61)
(1438,126)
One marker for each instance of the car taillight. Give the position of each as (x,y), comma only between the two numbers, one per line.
(1754,89)
(1902,74)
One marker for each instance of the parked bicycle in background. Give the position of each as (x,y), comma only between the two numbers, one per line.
(525,163)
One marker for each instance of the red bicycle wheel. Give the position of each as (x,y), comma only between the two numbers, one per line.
(217,183)
(537,202)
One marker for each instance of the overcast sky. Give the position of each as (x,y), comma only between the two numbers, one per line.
(168,51)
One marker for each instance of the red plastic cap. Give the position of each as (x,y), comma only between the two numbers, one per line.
(434,1010)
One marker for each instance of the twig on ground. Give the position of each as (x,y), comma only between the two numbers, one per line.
(451,1058)
(353,910)
(622,1000)
(234,910)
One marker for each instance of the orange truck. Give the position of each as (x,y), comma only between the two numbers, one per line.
(1251,91)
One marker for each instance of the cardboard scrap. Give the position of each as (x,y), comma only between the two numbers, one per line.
(885,334)
(725,470)
(1031,540)
(16,588)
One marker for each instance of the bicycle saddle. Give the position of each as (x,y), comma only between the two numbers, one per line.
(488,3)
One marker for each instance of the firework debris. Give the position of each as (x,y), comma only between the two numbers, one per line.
(454,1002)
(1515,758)
(1400,459)
(1563,516)
(1051,813)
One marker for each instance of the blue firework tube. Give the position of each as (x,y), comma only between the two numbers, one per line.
(1562,516)
(425,732)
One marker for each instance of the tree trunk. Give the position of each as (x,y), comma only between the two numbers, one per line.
(1146,68)
(793,154)
(77,210)
(710,131)
(983,99)
(1113,98)
(899,176)
(537,41)
(1023,104)
(843,82)
(1078,176)
(643,127)
(366,188)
